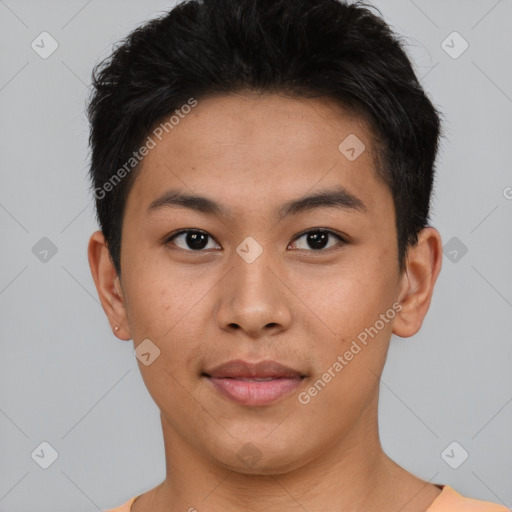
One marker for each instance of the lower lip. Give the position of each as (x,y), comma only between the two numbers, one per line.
(252,392)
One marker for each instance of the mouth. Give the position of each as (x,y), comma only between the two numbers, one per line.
(254,383)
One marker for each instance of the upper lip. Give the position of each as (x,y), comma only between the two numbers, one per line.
(237,368)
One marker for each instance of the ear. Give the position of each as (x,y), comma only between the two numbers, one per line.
(108,285)
(423,264)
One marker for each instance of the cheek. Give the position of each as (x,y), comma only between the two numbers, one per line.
(170,307)
(169,315)
(353,301)
(351,307)
(157,295)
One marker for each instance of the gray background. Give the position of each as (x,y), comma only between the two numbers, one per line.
(65,379)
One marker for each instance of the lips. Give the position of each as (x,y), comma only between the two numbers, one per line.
(238,369)
(254,383)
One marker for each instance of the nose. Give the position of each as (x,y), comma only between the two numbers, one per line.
(254,299)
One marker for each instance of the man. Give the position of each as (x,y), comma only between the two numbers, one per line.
(262,173)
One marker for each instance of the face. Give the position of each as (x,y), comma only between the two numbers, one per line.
(312,286)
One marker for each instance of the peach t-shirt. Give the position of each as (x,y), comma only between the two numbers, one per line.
(448,501)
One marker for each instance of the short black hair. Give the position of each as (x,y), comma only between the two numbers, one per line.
(329,49)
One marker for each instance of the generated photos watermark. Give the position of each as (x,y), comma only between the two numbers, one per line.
(355,348)
(151,143)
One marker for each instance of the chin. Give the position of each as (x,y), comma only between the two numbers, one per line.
(261,457)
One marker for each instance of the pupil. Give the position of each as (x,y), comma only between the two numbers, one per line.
(197,240)
(317,240)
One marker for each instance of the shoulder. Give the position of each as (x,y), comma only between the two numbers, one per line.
(451,501)
(125,507)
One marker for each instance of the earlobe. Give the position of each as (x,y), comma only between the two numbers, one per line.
(108,285)
(423,264)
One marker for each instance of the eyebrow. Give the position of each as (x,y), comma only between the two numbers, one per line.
(334,197)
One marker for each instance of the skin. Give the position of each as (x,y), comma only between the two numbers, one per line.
(293,304)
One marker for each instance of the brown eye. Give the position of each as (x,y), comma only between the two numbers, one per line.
(318,239)
(191,239)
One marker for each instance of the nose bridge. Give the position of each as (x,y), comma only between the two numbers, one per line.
(253,299)
(252,272)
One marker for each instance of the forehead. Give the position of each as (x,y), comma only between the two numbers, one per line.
(252,150)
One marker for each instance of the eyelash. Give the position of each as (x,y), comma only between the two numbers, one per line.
(314,230)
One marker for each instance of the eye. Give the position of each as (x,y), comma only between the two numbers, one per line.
(318,239)
(196,240)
